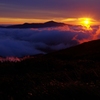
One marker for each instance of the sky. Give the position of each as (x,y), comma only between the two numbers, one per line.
(20,11)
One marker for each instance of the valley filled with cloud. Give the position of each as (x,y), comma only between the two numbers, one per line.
(24,42)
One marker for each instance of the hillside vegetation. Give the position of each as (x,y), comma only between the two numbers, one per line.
(69,74)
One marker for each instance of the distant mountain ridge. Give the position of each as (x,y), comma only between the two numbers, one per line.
(35,25)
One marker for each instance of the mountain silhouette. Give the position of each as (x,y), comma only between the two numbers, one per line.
(37,25)
(2,26)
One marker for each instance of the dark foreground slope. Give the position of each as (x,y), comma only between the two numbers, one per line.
(70,74)
(88,50)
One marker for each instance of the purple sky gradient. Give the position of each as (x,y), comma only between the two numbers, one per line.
(48,8)
(43,9)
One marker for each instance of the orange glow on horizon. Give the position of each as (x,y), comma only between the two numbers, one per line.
(73,21)
(20,20)
(84,21)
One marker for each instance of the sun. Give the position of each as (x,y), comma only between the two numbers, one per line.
(86,22)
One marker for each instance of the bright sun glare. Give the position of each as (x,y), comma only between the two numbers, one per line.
(86,22)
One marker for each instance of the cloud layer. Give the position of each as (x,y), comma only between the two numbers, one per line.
(24,42)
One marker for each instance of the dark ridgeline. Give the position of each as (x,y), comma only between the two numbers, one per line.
(2,26)
(88,50)
(69,74)
(36,25)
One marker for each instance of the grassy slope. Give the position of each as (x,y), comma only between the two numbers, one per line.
(87,50)
(70,74)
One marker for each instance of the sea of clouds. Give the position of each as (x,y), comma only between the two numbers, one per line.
(24,42)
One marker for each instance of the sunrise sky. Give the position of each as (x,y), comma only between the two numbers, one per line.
(33,11)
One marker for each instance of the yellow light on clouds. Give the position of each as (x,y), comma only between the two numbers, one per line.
(86,22)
